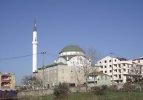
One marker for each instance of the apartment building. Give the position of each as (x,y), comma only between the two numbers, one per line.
(118,68)
(7,81)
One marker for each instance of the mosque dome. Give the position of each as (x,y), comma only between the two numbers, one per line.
(71,54)
(72,48)
(71,51)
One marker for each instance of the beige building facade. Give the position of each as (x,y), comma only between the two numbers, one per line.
(67,68)
(7,81)
(118,68)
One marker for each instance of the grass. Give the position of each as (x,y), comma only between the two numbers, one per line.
(89,96)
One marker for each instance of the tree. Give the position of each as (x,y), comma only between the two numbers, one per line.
(92,54)
(31,82)
(135,74)
(61,91)
(86,65)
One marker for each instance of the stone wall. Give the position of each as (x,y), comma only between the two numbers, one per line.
(45,92)
(34,92)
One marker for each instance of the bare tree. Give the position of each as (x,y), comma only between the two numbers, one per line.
(31,82)
(86,65)
(92,54)
(135,73)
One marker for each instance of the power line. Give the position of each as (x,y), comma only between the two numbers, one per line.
(24,56)
(15,57)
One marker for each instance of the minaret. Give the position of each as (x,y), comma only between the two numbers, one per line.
(34,46)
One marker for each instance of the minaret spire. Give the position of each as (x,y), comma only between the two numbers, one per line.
(34,48)
(35,26)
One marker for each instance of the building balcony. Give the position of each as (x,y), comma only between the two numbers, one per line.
(5,87)
(6,80)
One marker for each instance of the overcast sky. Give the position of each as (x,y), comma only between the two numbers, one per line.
(107,25)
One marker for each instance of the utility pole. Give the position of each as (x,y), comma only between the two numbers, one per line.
(43,67)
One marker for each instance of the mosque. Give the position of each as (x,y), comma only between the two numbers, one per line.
(68,67)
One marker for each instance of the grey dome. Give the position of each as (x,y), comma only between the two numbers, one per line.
(70,48)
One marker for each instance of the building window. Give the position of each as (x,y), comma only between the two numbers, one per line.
(115,60)
(105,66)
(105,71)
(119,66)
(100,62)
(105,61)
(123,64)
(110,65)
(119,70)
(110,71)
(128,71)
(124,70)
(128,66)
(115,75)
(119,76)
(109,60)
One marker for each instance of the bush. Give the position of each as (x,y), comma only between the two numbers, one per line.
(128,87)
(113,88)
(61,91)
(99,90)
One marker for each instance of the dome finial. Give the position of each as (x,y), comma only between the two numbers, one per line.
(35,26)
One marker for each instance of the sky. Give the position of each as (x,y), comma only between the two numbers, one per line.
(107,25)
